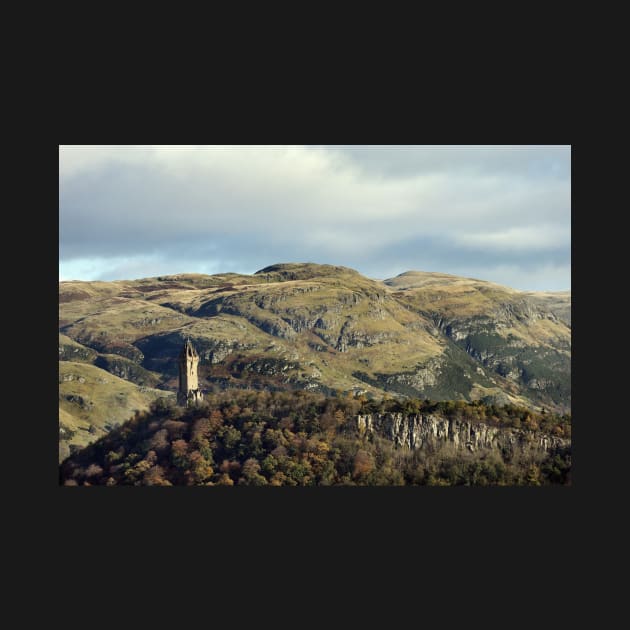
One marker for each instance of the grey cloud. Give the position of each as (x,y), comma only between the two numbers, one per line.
(240,209)
(524,161)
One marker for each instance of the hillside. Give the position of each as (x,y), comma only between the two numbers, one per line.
(93,401)
(524,338)
(321,328)
(304,439)
(558,302)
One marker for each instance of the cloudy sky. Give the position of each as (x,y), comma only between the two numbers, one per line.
(492,212)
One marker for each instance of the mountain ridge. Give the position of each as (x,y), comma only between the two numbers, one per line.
(327,328)
(287,267)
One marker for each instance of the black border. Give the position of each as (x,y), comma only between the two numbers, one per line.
(345,532)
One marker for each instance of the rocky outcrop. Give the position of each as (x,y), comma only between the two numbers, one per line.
(350,337)
(126,369)
(423,377)
(105,344)
(220,351)
(432,432)
(82,401)
(70,350)
(65,378)
(267,366)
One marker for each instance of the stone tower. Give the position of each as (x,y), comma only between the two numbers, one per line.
(189,392)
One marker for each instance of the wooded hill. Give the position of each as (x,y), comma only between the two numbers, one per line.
(303,438)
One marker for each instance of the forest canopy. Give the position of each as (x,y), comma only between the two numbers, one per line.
(302,438)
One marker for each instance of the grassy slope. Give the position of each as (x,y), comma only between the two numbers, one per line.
(91,400)
(512,312)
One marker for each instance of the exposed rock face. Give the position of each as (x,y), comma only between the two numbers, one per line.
(65,378)
(558,302)
(75,352)
(431,431)
(83,402)
(220,352)
(269,366)
(350,338)
(126,369)
(424,376)
(105,345)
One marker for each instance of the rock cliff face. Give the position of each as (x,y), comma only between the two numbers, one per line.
(126,369)
(432,432)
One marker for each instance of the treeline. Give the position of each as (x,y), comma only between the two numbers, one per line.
(303,438)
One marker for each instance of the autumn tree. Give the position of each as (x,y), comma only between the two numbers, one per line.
(340,418)
(94,470)
(327,422)
(225,480)
(251,474)
(215,420)
(531,423)
(200,469)
(363,464)
(176,428)
(154,476)
(159,442)
(533,476)
(231,436)
(179,457)
(230,468)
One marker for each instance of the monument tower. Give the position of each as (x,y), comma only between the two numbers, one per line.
(189,392)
